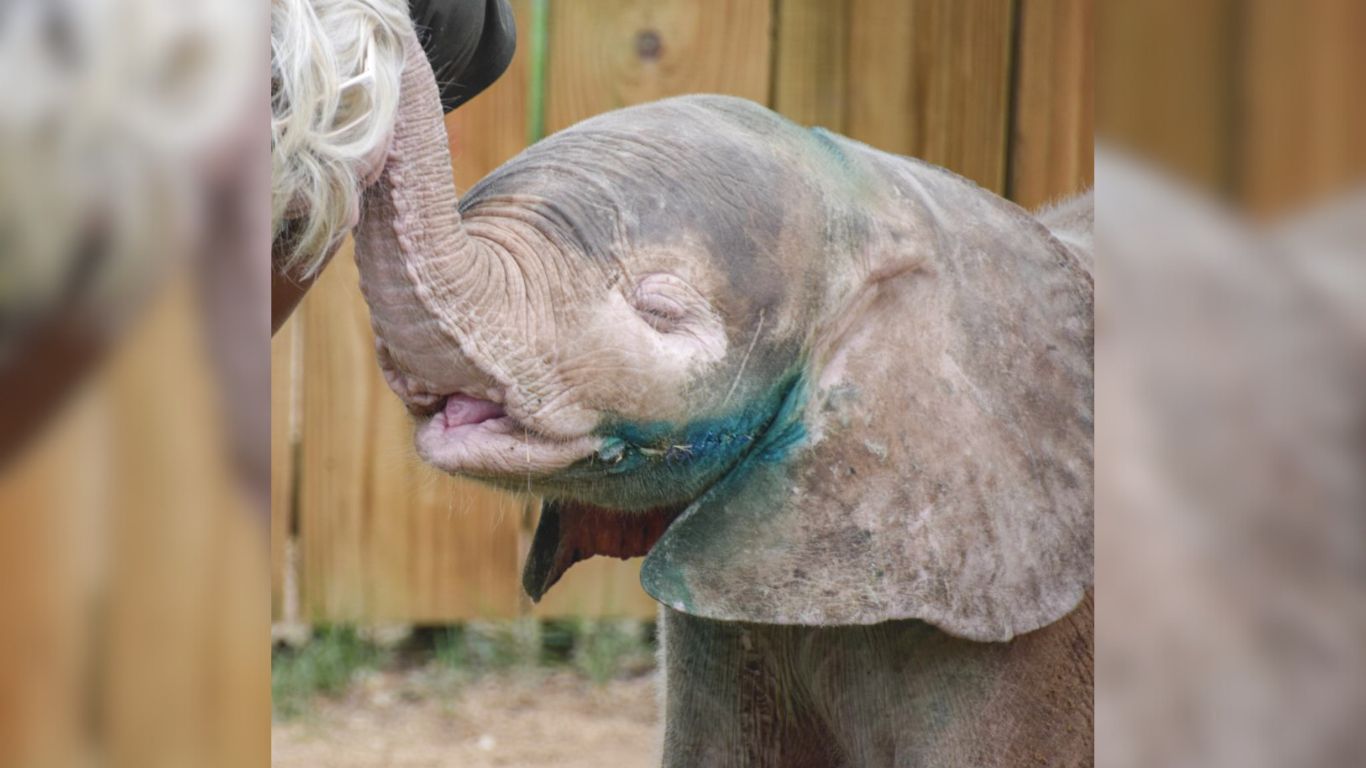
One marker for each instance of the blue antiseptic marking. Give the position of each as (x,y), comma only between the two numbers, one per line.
(646,464)
(828,142)
(612,449)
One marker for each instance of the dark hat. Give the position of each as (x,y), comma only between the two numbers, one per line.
(469,43)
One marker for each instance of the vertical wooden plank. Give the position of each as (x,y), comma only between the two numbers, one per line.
(883,84)
(188,565)
(166,494)
(931,78)
(811,62)
(51,553)
(611,54)
(1302,110)
(283,419)
(138,580)
(491,128)
(233,664)
(1052,141)
(1165,84)
(341,391)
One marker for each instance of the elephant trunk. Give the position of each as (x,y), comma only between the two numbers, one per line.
(416,259)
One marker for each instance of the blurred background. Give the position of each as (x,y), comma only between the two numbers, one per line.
(1230,383)
(365,535)
(134,564)
(134,384)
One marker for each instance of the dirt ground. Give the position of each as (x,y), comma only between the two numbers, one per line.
(415,719)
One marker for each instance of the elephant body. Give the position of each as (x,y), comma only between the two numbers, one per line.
(900,694)
(840,400)
(896,694)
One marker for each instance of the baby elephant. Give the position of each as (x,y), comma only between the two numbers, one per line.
(840,400)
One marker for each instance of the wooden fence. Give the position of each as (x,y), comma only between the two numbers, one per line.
(132,571)
(997,90)
(1259,101)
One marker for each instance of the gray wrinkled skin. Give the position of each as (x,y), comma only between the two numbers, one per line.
(899,694)
(946,470)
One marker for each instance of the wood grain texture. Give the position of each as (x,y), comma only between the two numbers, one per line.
(184,671)
(599,587)
(491,127)
(1164,84)
(284,389)
(1302,110)
(811,62)
(133,587)
(1051,143)
(931,79)
(606,55)
(50,567)
(438,547)
(340,401)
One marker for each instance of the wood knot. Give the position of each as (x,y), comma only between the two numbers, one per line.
(649,46)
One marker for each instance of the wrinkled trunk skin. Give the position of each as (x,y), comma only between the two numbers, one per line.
(417,263)
(900,694)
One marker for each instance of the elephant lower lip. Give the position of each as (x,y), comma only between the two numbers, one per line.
(478,437)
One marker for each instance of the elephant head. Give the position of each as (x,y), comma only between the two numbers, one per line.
(812,382)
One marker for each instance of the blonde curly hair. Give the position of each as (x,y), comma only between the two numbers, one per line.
(335,69)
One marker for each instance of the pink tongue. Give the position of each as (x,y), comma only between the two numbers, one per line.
(463,409)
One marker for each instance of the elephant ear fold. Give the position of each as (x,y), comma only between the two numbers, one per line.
(946,471)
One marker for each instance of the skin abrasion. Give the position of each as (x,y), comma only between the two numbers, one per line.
(840,401)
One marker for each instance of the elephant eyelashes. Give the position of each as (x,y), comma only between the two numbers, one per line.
(662,301)
(662,319)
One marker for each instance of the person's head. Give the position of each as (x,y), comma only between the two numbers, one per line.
(335,68)
(119,121)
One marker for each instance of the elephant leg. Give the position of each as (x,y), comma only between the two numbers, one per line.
(732,700)
(902,694)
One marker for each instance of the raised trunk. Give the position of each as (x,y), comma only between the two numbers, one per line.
(417,264)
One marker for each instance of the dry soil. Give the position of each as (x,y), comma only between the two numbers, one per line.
(423,719)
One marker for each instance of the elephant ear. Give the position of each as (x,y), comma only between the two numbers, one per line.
(946,469)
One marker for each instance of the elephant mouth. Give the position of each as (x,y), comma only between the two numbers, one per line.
(467,435)
(477,437)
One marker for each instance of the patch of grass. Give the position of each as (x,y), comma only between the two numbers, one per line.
(323,666)
(605,649)
(478,647)
(598,650)
(448,649)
